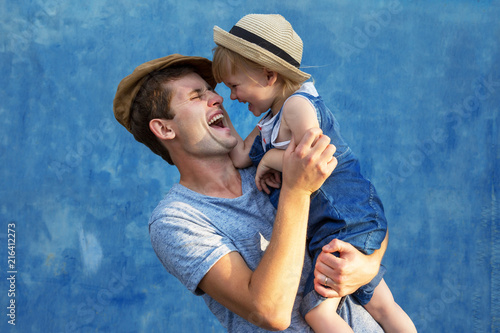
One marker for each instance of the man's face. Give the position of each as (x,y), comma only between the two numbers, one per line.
(198,121)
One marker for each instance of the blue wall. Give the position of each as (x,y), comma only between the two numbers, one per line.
(414,84)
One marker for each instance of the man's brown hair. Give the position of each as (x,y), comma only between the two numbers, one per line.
(153,102)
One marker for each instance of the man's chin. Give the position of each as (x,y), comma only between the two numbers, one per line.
(234,144)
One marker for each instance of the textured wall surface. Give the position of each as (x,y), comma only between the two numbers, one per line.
(414,84)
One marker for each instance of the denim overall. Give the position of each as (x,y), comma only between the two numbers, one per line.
(346,207)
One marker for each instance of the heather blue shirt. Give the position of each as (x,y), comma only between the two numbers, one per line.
(190,232)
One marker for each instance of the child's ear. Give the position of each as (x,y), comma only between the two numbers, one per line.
(161,129)
(272,77)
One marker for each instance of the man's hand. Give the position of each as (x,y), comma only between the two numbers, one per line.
(346,273)
(307,164)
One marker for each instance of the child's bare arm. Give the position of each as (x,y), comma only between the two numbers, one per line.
(298,117)
(239,154)
(273,159)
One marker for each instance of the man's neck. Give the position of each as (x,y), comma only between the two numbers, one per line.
(215,178)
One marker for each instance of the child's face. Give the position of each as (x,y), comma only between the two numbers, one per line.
(252,87)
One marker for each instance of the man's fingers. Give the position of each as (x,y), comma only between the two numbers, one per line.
(310,138)
(325,291)
(329,265)
(291,146)
(328,153)
(336,245)
(320,144)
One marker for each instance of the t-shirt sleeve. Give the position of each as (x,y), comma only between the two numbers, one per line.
(186,243)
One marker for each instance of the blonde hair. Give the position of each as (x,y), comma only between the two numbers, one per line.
(223,57)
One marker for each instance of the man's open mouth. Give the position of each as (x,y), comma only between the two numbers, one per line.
(216,121)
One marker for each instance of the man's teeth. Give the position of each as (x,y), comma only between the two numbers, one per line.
(215,119)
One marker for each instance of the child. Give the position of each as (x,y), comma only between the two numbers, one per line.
(259,60)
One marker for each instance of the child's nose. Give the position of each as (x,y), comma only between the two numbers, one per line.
(233,95)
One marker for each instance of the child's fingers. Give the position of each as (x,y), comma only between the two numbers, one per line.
(257,183)
(272,183)
(277,177)
(264,187)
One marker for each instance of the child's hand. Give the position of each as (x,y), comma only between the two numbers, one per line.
(265,176)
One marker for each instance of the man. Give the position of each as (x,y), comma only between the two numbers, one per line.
(214,230)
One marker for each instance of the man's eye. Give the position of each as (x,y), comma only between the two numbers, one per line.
(196,97)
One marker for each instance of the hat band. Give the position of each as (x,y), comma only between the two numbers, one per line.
(253,38)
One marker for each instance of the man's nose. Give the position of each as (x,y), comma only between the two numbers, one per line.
(214,98)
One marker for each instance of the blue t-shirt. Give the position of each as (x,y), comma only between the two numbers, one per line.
(190,232)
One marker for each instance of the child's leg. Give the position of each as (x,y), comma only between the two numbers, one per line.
(324,318)
(387,312)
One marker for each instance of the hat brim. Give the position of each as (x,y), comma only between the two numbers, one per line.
(258,54)
(131,84)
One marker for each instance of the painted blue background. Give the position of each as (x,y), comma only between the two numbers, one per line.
(414,84)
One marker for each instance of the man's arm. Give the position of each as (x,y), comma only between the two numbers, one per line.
(346,273)
(266,296)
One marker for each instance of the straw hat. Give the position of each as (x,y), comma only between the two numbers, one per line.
(267,39)
(130,85)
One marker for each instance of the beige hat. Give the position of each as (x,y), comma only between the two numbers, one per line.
(130,85)
(267,39)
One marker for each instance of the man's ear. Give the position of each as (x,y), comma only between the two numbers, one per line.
(161,129)
(272,77)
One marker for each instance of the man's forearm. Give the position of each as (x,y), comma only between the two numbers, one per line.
(276,279)
(265,297)
(305,168)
